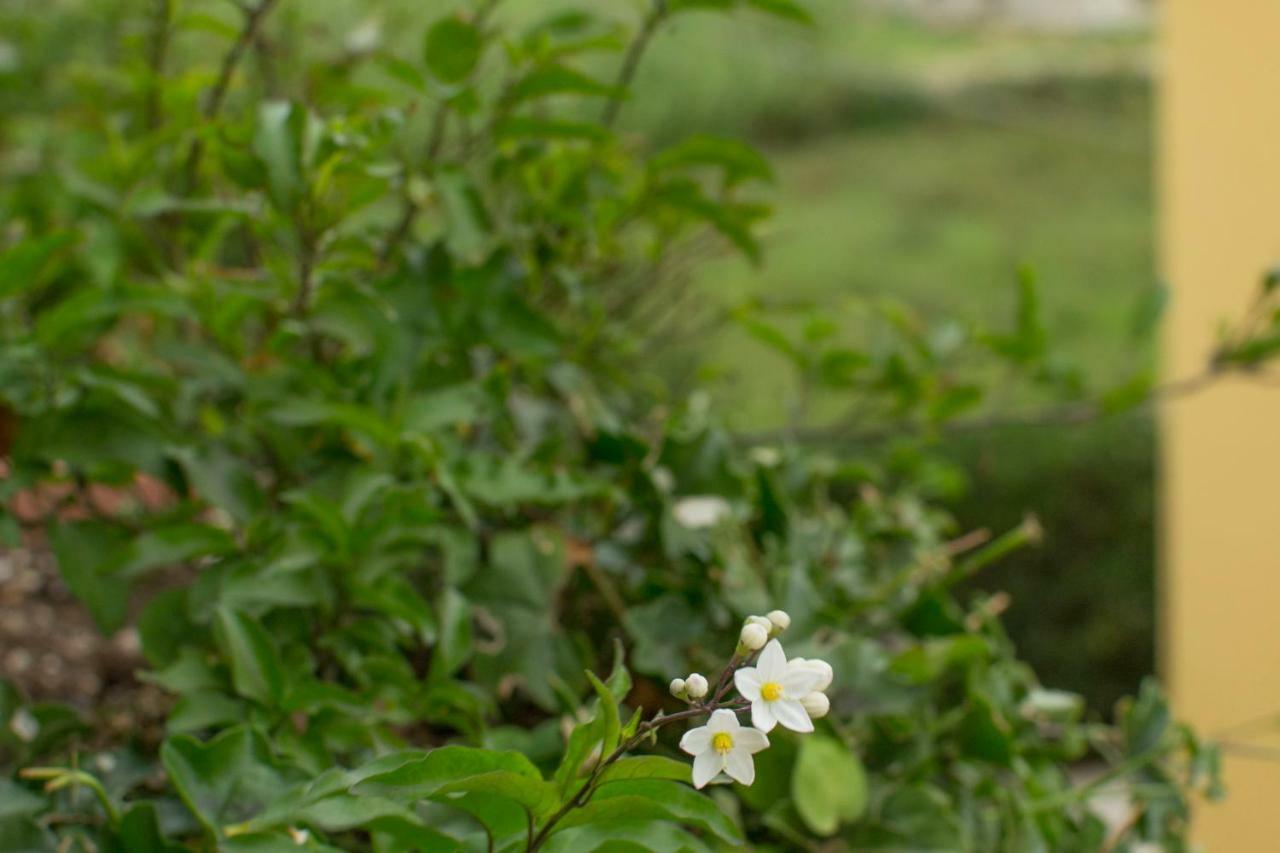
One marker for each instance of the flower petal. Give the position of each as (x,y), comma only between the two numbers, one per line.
(748,682)
(800,681)
(738,764)
(696,741)
(751,740)
(723,720)
(762,716)
(792,715)
(772,664)
(706,767)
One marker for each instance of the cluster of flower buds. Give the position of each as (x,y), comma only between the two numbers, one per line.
(690,688)
(790,693)
(758,630)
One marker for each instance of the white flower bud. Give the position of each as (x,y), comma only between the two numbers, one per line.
(696,685)
(780,620)
(822,668)
(753,637)
(762,621)
(816,705)
(678,688)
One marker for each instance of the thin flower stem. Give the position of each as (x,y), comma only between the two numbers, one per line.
(643,731)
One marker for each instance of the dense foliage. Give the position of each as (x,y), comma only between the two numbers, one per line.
(360,339)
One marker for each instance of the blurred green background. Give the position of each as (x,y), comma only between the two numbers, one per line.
(926,160)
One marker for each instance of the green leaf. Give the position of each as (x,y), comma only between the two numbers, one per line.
(278,142)
(984,732)
(175,543)
(625,835)
(25,266)
(788,9)
(452,49)
(422,776)
(580,747)
(656,798)
(358,419)
(89,553)
(549,80)
(536,796)
(647,767)
(733,220)
(738,160)
(608,712)
(456,642)
(256,671)
(226,780)
(935,656)
(468,227)
(139,832)
(463,403)
(828,784)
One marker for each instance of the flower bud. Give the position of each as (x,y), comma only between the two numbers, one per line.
(762,621)
(824,671)
(780,620)
(678,688)
(696,685)
(753,637)
(816,705)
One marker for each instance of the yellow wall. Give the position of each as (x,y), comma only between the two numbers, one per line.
(1220,180)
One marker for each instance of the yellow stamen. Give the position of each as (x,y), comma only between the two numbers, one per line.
(771,691)
(722,742)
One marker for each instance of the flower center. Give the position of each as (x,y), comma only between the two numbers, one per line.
(771,691)
(722,742)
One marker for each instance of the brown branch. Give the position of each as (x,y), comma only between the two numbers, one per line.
(1066,414)
(217,95)
(631,62)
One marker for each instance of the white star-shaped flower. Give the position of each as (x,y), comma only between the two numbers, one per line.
(723,744)
(774,687)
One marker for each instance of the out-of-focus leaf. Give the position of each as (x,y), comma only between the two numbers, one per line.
(225,780)
(452,49)
(828,784)
(738,160)
(256,670)
(551,80)
(89,554)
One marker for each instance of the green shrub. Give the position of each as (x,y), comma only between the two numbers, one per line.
(366,318)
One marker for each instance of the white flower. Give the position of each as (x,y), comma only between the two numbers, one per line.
(816,705)
(780,620)
(753,637)
(774,688)
(677,688)
(701,511)
(723,744)
(696,686)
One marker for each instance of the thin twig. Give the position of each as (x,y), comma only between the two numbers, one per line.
(157,58)
(631,62)
(217,95)
(1067,414)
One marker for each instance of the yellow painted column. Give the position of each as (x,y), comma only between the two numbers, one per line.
(1220,185)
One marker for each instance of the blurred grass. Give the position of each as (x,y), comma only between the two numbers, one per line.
(939,210)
